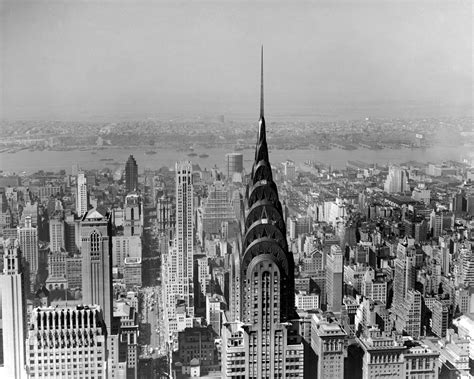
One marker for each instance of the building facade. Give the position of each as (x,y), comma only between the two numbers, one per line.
(217,208)
(28,238)
(265,335)
(56,235)
(177,261)
(67,343)
(334,278)
(13,320)
(131,174)
(96,251)
(133,215)
(383,356)
(234,164)
(82,202)
(329,342)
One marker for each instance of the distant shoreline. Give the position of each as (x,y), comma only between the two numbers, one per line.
(114,157)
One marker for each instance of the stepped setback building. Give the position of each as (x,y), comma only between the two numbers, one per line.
(264,343)
(177,261)
(97,262)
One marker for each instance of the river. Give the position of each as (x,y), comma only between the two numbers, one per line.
(32,161)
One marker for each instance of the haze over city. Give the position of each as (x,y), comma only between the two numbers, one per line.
(236,190)
(107,60)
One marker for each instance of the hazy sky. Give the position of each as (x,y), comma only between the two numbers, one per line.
(109,60)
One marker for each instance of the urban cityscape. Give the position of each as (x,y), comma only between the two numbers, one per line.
(235,245)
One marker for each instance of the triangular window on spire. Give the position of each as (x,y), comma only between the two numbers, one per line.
(264,214)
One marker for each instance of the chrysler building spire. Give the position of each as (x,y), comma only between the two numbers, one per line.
(261,85)
(261,150)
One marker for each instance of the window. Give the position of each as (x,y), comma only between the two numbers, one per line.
(95,241)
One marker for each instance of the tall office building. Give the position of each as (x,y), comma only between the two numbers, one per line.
(405,274)
(184,240)
(28,238)
(132,272)
(125,247)
(217,208)
(202,281)
(466,265)
(30,210)
(234,164)
(289,170)
(128,315)
(67,343)
(396,181)
(96,252)
(334,279)
(13,313)
(131,174)
(407,315)
(383,356)
(439,318)
(71,232)
(56,234)
(82,201)
(57,270)
(74,272)
(165,216)
(133,215)
(265,341)
(177,261)
(329,342)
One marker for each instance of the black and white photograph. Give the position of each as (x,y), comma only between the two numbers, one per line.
(226,189)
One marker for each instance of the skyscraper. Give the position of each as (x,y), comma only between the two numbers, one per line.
(177,261)
(404,279)
(71,228)
(217,208)
(289,170)
(133,215)
(81,196)
(329,342)
(184,240)
(96,252)
(397,180)
(75,337)
(28,238)
(131,174)
(383,356)
(267,297)
(13,322)
(56,234)
(234,164)
(165,217)
(334,278)
(407,317)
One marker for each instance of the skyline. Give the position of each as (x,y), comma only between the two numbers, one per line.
(115,61)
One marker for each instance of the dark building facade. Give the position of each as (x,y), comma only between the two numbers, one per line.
(131,174)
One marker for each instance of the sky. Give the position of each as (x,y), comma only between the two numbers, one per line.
(124,59)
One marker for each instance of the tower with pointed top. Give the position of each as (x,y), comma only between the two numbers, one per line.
(96,249)
(266,272)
